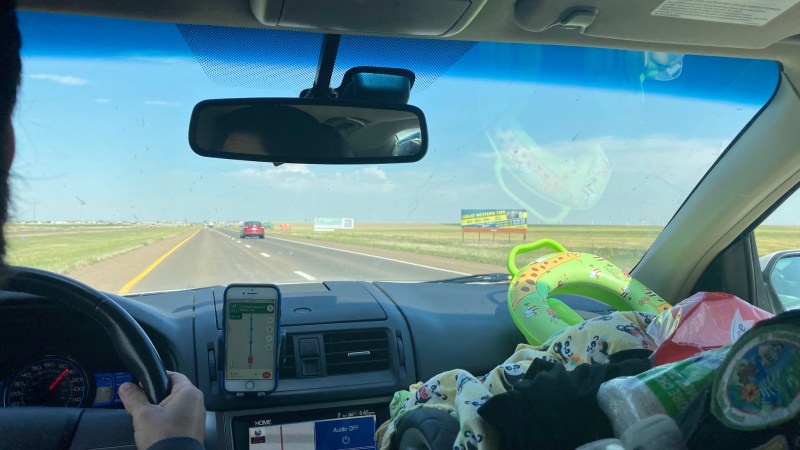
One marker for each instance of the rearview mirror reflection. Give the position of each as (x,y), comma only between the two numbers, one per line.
(308,131)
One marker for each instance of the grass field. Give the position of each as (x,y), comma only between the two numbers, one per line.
(623,245)
(61,248)
(773,238)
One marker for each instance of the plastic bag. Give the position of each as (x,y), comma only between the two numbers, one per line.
(704,321)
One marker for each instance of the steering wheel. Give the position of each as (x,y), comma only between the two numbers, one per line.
(27,426)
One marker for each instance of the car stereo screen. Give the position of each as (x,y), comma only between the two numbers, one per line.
(334,434)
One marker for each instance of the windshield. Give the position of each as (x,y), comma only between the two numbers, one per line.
(594,148)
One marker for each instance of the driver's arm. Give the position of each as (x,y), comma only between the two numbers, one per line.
(177,423)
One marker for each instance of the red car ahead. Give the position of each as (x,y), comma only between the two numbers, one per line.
(252,229)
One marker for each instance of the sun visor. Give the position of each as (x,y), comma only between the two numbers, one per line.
(408,17)
(720,23)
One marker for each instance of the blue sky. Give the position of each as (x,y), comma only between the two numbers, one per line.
(102,133)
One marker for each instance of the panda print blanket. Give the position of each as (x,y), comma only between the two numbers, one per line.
(461,393)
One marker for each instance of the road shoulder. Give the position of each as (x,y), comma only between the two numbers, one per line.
(111,274)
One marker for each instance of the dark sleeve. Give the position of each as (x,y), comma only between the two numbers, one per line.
(553,408)
(177,443)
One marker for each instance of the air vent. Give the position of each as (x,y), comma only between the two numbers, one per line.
(356,351)
(289,367)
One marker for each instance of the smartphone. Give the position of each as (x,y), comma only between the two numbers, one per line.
(251,334)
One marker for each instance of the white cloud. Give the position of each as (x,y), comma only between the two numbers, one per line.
(66,80)
(650,176)
(677,161)
(271,172)
(647,146)
(294,168)
(161,103)
(101,100)
(301,178)
(373,171)
(482,155)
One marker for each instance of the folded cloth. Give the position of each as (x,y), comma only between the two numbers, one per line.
(460,393)
(456,392)
(552,408)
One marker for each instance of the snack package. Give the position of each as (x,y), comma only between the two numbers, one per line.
(753,401)
(704,321)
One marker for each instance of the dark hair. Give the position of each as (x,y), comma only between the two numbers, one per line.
(10,64)
(10,69)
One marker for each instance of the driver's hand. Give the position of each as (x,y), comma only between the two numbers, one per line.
(181,414)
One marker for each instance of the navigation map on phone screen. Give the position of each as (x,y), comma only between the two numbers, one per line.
(250,339)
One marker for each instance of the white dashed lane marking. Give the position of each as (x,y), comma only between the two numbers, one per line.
(264,255)
(304,275)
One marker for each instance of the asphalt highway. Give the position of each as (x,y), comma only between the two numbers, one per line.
(220,257)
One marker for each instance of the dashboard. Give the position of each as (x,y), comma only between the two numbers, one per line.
(348,347)
(52,356)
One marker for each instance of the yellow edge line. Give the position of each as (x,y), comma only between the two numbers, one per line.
(130,284)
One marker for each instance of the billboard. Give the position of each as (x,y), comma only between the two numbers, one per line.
(494,220)
(330,224)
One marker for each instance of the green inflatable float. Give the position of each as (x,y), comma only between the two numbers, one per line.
(530,295)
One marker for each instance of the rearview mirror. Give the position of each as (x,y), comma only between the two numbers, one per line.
(308,131)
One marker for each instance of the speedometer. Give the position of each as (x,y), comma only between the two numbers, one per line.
(50,381)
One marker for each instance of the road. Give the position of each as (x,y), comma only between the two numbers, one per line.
(219,257)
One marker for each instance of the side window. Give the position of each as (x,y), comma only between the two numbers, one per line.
(778,242)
